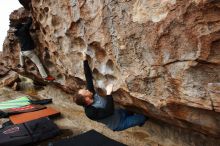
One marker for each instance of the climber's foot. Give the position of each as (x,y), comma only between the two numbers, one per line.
(140,125)
(49,78)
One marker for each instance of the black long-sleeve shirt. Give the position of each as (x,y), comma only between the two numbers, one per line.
(89,77)
(24,36)
(91,111)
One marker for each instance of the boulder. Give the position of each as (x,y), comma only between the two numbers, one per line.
(160,55)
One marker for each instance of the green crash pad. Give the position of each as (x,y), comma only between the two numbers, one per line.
(19,102)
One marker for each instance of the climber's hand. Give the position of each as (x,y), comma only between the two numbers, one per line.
(109,89)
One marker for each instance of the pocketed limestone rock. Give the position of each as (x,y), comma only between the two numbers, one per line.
(160,54)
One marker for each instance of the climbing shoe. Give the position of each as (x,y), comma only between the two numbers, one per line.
(49,78)
(142,124)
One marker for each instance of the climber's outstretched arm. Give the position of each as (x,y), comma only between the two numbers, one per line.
(88,75)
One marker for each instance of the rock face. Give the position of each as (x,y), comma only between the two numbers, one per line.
(7,77)
(3,69)
(160,54)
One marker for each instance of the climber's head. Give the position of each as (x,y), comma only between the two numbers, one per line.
(84,97)
(15,24)
(18,26)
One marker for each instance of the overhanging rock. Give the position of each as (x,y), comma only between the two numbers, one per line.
(161,55)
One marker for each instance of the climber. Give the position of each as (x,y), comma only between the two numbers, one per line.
(27,48)
(101,109)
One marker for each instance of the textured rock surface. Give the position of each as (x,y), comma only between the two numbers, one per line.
(3,69)
(8,79)
(160,54)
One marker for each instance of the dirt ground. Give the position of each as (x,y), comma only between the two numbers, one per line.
(73,122)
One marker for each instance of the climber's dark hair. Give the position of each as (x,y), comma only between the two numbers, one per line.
(80,99)
(15,24)
(18,26)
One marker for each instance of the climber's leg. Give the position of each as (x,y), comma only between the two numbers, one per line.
(36,61)
(21,58)
(130,120)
